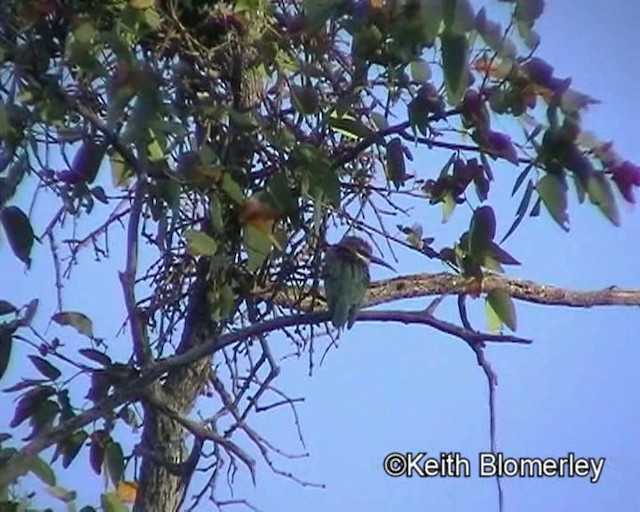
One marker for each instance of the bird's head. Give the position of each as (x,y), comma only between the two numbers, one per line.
(355,247)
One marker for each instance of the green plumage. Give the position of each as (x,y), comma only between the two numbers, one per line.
(346,279)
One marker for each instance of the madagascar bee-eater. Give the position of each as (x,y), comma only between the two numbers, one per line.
(346,278)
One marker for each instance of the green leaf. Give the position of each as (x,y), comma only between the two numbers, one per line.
(62,494)
(45,367)
(502,304)
(230,187)
(6,343)
(350,127)
(601,194)
(553,193)
(19,232)
(79,321)
(396,169)
(112,503)
(494,324)
(43,471)
(120,172)
(448,206)
(115,462)
(258,245)
(482,231)
(420,71)
(455,63)
(199,243)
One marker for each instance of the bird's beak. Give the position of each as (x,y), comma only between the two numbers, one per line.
(380,261)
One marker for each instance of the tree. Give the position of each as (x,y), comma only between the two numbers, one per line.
(223,144)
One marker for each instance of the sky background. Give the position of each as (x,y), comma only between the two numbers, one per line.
(404,388)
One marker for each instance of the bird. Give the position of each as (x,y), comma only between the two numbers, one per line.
(346,278)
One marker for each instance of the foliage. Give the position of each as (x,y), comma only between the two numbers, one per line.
(231,138)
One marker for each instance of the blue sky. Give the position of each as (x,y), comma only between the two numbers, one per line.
(402,388)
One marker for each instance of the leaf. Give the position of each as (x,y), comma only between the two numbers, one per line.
(19,232)
(420,71)
(529,10)
(95,355)
(115,462)
(502,304)
(520,179)
(61,493)
(501,255)
(43,471)
(120,171)
(305,99)
(96,451)
(494,324)
(29,312)
(28,404)
(45,367)
(112,503)
(554,196)
(482,231)
(448,206)
(6,343)
(6,308)
(258,246)
(455,63)
(127,491)
(350,127)
(396,170)
(522,210)
(230,187)
(79,321)
(601,194)
(72,447)
(199,243)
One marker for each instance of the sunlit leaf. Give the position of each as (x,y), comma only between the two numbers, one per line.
(553,193)
(601,194)
(502,304)
(420,71)
(111,502)
(62,494)
(455,63)
(43,471)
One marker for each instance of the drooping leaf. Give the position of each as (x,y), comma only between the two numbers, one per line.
(258,246)
(396,169)
(115,462)
(448,206)
(6,343)
(45,367)
(79,321)
(43,471)
(522,210)
(111,502)
(19,232)
(29,312)
(455,63)
(601,194)
(481,232)
(553,193)
(230,187)
(502,304)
